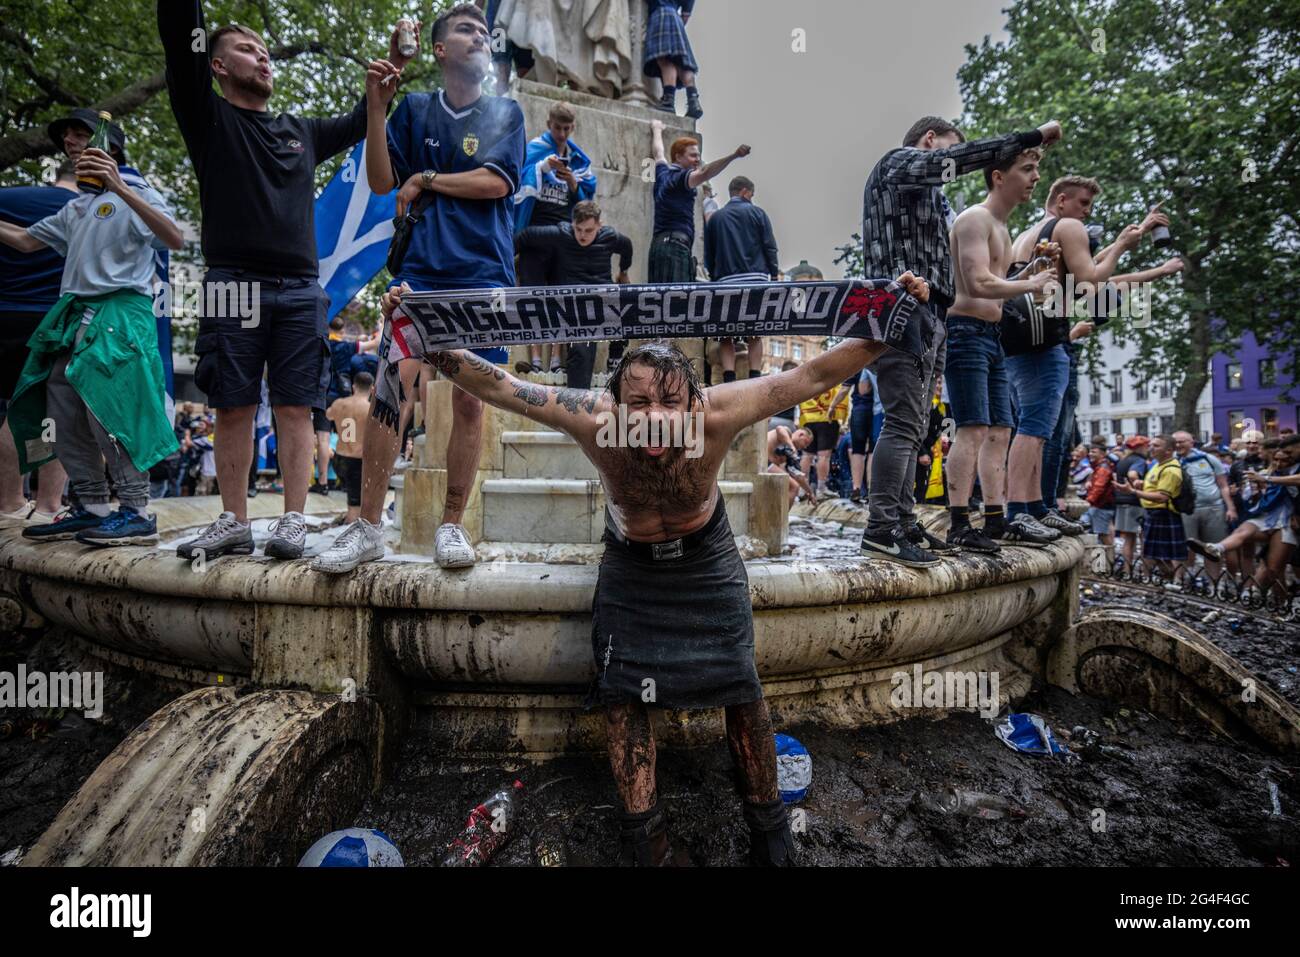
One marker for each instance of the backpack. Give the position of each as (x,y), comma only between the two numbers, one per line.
(1185,501)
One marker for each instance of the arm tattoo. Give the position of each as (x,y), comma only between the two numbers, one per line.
(531,394)
(575,399)
(446,363)
(481,365)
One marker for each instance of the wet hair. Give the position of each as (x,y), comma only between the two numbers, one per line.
(925,124)
(438,32)
(336,324)
(67,169)
(669,364)
(1006,165)
(680,146)
(363,380)
(585,210)
(216,36)
(738,184)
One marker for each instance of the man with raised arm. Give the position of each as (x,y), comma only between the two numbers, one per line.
(257,186)
(672,623)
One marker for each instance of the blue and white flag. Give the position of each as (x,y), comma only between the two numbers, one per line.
(353,229)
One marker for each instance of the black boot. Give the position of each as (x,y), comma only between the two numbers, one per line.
(668,102)
(770,842)
(643,839)
(693,108)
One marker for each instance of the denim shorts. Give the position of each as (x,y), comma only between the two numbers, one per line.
(1039,379)
(1101,520)
(979,391)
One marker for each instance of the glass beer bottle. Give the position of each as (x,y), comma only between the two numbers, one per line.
(98,141)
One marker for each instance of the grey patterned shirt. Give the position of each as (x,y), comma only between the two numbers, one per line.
(905,216)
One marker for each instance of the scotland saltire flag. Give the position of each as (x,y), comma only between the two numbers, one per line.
(353,228)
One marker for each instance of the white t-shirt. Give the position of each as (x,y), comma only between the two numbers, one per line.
(106,245)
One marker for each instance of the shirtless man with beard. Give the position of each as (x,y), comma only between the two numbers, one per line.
(672,623)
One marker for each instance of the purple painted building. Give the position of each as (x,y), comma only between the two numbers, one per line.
(1251,386)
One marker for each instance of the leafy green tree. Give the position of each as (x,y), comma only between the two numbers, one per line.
(1195,103)
(105,54)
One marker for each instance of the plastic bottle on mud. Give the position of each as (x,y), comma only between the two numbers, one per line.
(487,830)
(961,803)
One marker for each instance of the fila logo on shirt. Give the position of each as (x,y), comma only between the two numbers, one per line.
(105,210)
(431,143)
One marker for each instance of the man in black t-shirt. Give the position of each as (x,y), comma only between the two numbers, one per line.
(578,254)
(256,172)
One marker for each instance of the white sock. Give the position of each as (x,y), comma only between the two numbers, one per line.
(99,509)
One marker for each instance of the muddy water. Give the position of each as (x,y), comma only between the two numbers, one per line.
(1172,794)
(1268,647)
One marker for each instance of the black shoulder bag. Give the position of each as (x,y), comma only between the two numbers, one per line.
(1026,327)
(404,226)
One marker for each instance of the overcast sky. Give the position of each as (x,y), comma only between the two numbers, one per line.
(818,121)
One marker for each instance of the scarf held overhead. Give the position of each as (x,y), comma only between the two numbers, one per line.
(429,322)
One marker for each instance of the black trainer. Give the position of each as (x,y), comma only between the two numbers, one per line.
(1024,530)
(894,547)
(971,539)
(923,539)
(1066,526)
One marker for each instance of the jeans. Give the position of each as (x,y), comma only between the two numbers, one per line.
(1057,447)
(906,398)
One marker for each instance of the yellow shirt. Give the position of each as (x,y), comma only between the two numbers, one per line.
(816,408)
(1163,477)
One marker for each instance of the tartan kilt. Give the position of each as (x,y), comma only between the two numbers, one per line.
(666,37)
(1162,537)
(670,261)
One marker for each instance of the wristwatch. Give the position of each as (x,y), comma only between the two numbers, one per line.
(427,178)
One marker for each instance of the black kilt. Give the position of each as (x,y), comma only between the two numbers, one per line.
(686,623)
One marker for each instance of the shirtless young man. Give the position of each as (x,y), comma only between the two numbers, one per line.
(783,448)
(672,623)
(349,415)
(978,388)
(1041,379)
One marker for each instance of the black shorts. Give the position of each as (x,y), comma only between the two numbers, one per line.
(15,329)
(826,435)
(318,421)
(287,335)
(349,470)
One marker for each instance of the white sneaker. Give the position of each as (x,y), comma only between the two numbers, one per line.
(362,542)
(40,518)
(22,512)
(451,547)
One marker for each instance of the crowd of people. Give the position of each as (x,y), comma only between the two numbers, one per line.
(970,424)
(1240,513)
